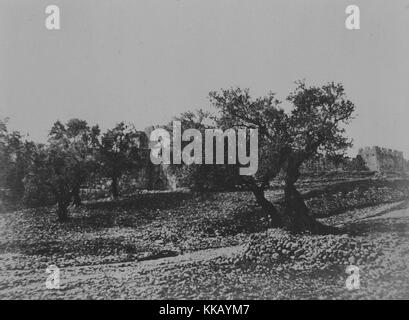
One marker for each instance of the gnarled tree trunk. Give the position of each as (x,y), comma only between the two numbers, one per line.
(114,188)
(63,199)
(296,216)
(267,206)
(62,211)
(76,196)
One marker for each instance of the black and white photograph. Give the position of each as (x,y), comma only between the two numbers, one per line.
(223,151)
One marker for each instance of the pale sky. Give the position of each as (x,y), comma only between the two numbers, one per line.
(145,61)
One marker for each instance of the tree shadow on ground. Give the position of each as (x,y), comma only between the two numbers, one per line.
(162,200)
(398,225)
(132,211)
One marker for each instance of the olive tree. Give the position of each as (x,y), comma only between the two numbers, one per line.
(314,125)
(80,139)
(15,156)
(119,153)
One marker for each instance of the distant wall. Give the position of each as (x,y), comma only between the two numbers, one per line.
(383,159)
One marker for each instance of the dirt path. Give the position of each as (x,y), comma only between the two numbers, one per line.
(70,277)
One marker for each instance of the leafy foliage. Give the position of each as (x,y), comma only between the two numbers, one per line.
(79,139)
(204,177)
(119,152)
(59,168)
(15,157)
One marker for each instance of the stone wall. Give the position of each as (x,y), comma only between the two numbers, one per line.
(383,159)
(150,176)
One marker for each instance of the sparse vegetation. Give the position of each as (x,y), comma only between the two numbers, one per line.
(157,225)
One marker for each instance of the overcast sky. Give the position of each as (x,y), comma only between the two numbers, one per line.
(145,61)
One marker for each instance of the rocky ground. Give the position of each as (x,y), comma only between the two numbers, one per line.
(195,249)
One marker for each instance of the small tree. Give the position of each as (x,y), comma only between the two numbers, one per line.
(58,169)
(15,156)
(118,153)
(81,140)
(237,110)
(52,172)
